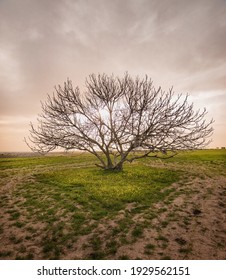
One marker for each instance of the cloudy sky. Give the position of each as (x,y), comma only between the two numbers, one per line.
(177,43)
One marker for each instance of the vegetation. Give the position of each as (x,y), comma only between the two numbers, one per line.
(117,117)
(57,207)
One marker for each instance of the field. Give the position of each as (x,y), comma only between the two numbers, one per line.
(63,207)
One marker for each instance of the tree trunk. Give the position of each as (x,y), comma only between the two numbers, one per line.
(116,168)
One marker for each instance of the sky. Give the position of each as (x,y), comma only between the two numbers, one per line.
(177,43)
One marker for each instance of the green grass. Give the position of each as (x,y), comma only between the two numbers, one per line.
(62,198)
(43,161)
(212,156)
(96,189)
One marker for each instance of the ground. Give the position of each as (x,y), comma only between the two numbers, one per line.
(62,207)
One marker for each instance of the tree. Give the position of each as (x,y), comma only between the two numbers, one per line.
(118,120)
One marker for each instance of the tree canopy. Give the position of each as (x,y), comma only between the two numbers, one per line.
(118,120)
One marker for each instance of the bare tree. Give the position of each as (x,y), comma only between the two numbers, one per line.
(118,120)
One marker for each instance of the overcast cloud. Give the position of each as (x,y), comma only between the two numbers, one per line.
(176,42)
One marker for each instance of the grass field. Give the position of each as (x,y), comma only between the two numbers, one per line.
(63,207)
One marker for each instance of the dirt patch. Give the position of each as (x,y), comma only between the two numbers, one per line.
(193,227)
